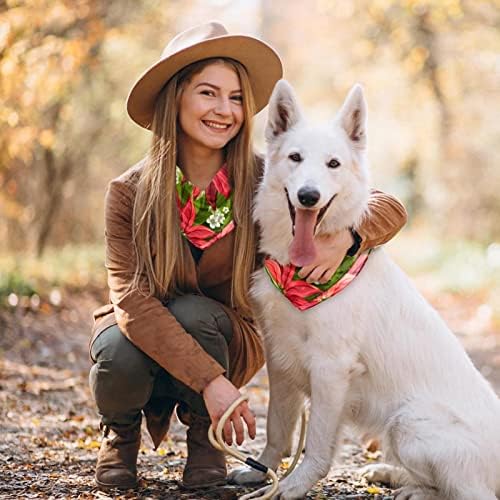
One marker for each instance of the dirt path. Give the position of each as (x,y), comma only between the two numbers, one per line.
(49,428)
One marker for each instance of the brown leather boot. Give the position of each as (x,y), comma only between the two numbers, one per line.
(117,459)
(205,466)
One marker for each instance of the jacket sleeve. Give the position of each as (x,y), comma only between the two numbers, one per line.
(144,320)
(383,219)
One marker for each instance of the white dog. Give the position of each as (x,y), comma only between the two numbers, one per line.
(376,355)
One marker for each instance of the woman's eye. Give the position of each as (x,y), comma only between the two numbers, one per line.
(207,92)
(295,157)
(237,98)
(333,163)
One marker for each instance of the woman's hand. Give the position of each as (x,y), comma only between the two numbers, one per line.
(218,396)
(331,251)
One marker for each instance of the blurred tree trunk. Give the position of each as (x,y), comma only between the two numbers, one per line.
(419,50)
(47,50)
(272,22)
(426,37)
(58,169)
(267,19)
(57,174)
(413,198)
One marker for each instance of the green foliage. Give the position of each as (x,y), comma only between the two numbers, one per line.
(427,66)
(456,271)
(73,267)
(459,266)
(13,281)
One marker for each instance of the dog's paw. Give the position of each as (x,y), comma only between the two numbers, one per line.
(377,473)
(290,491)
(246,475)
(415,493)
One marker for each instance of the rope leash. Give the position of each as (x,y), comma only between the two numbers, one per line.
(217,442)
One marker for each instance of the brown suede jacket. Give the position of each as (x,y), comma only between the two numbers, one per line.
(149,325)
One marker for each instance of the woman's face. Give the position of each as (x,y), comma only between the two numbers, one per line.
(211,108)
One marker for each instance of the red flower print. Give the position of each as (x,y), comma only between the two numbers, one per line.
(201,234)
(221,182)
(196,192)
(187,213)
(211,195)
(202,237)
(305,295)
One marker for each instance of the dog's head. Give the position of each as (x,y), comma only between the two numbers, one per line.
(321,169)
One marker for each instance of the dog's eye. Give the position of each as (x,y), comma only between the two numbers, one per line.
(333,163)
(295,157)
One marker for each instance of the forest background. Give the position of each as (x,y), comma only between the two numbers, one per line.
(431,73)
(430,69)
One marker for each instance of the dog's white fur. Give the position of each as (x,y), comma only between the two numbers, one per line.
(377,355)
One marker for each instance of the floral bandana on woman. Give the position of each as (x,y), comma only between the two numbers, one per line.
(206,215)
(304,295)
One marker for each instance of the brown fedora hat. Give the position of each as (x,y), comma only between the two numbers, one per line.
(208,40)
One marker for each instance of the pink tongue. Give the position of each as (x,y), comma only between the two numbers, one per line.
(302,250)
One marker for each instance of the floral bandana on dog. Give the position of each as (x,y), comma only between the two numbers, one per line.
(304,295)
(206,215)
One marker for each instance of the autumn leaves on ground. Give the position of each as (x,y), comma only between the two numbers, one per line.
(430,72)
(50,430)
(49,427)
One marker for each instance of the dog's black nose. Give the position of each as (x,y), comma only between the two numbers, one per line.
(308,196)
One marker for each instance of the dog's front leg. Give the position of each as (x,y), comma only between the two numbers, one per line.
(285,402)
(329,385)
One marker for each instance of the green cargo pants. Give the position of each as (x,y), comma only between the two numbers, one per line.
(123,378)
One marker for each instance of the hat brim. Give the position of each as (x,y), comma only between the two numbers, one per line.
(262,63)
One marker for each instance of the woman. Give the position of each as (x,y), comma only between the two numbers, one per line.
(180,249)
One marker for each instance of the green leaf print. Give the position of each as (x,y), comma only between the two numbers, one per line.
(221,200)
(339,273)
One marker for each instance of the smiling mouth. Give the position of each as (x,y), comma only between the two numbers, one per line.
(216,126)
(321,212)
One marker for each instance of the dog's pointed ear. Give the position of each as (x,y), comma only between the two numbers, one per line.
(284,111)
(352,116)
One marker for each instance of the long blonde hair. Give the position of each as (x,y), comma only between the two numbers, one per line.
(159,244)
